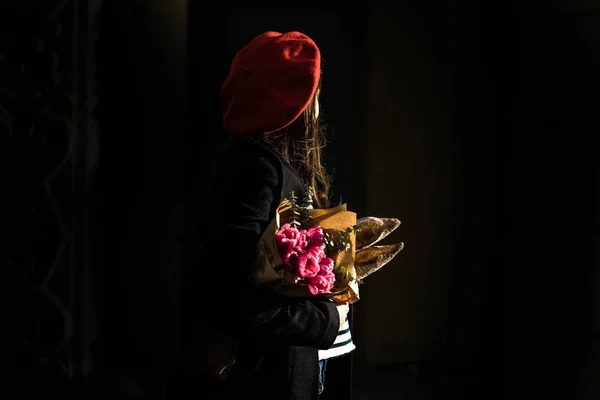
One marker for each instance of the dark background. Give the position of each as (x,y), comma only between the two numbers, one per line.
(474,123)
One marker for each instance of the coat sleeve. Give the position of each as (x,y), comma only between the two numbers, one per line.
(251,195)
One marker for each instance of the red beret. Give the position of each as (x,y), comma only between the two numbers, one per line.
(270,83)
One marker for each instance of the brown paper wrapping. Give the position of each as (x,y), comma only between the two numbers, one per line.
(268,268)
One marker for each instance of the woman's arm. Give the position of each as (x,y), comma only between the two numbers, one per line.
(250,195)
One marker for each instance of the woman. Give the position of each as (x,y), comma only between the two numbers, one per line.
(243,340)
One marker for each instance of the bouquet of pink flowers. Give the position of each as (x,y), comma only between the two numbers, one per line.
(303,254)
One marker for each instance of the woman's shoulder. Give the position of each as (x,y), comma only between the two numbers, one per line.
(253,150)
(252,153)
(246,160)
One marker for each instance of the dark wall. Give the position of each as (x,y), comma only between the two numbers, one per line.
(141,88)
(553,202)
(48,160)
(482,136)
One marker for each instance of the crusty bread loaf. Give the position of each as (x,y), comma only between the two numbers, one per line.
(371,230)
(372,258)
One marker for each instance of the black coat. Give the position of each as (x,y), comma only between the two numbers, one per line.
(279,336)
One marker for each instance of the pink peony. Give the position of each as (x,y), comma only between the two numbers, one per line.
(291,242)
(290,257)
(308,262)
(319,250)
(290,237)
(303,240)
(315,235)
(287,238)
(326,265)
(321,283)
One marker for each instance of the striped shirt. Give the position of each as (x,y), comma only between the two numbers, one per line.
(343,343)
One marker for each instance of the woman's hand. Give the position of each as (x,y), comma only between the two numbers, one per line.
(343,310)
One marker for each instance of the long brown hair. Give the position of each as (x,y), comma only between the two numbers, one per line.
(301,144)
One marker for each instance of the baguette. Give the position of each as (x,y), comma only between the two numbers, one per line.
(371,230)
(372,258)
